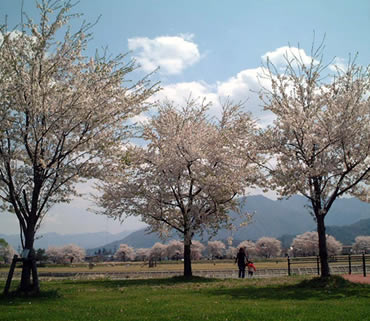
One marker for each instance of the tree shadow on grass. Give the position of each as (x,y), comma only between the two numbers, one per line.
(17,298)
(317,288)
(176,280)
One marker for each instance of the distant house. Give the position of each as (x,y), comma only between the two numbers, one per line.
(346,249)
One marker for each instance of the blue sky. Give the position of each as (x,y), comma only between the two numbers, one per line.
(230,35)
(210,48)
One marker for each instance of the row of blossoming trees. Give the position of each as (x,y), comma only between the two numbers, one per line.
(65,117)
(303,245)
(6,251)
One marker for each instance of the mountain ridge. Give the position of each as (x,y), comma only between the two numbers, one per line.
(274,218)
(271,218)
(84,240)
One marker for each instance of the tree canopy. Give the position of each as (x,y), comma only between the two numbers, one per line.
(188,175)
(59,112)
(319,143)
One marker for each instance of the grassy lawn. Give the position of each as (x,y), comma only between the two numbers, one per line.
(294,298)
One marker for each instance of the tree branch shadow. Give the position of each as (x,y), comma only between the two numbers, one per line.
(317,288)
(176,280)
(18,298)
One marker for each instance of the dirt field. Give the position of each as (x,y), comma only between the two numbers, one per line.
(357,278)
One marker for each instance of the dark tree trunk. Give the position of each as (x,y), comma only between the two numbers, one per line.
(187,256)
(26,285)
(323,250)
(29,264)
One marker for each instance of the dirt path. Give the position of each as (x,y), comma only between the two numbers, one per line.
(357,278)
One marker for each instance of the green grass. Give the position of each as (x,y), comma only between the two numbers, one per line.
(295,298)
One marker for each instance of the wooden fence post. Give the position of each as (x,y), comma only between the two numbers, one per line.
(10,275)
(318,264)
(349,264)
(364,264)
(289,266)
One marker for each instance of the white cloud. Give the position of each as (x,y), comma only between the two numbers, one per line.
(140,119)
(339,64)
(259,191)
(280,56)
(74,218)
(13,35)
(171,54)
(243,87)
(180,92)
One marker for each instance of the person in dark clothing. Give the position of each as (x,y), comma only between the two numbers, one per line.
(241,259)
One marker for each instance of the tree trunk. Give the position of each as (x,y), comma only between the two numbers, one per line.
(29,265)
(323,250)
(187,255)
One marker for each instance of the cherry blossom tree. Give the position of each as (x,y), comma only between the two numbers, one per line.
(197,249)
(158,251)
(73,253)
(216,249)
(249,247)
(268,247)
(306,244)
(319,142)
(66,254)
(188,176)
(362,244)
(142,254)
(61,112)
(7,252)
(3,246)
(175,250)
(334,246)
(124,253)
(231,252)
(53,254)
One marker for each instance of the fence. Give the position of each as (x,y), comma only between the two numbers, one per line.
(351,261)
(345,264)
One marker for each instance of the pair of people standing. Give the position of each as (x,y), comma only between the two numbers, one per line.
(243,262)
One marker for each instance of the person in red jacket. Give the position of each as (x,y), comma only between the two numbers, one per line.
(251,268)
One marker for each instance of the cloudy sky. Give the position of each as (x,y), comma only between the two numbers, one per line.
(206,48)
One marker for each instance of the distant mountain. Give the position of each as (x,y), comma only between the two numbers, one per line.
(85,240)
(347,234)
(138,239)
(271,218)
(345,211)
(292,216)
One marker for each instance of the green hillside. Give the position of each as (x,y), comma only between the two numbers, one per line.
(347,234)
